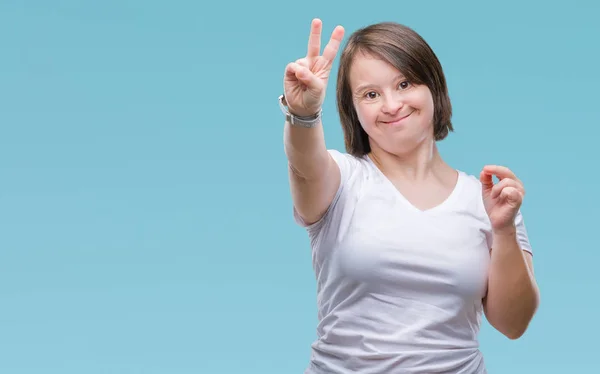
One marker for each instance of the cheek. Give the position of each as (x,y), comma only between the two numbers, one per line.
(360,113)
(366,114)
(425,108)
(427,104)
(430,106)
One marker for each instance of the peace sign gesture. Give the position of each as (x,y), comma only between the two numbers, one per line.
(305,81)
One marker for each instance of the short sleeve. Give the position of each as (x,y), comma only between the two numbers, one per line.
(522,236)
(346,164)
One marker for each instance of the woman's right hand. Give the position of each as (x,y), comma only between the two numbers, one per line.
(305,81)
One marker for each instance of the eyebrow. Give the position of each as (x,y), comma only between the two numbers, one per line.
(367,85)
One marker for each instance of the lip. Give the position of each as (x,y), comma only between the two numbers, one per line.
(397,121)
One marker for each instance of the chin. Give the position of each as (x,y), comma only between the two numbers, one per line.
(402,143)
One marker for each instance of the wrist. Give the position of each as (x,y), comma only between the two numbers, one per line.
(507,232)
(303,115)
(308,115)
(307,121)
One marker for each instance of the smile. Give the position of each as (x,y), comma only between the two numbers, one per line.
(398,121)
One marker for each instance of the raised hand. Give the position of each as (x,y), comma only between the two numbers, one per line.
(305,81)
(503,199)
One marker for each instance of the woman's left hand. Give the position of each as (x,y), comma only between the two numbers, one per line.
(503,199)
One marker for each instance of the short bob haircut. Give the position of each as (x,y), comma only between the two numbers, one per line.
(408,52)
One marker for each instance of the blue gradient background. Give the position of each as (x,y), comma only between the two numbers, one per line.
(145,218)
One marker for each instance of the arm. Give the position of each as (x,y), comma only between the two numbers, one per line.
(314,174)
(513,295)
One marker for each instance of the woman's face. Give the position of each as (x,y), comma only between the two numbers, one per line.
(396,114)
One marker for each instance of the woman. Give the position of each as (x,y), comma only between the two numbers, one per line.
(408,252)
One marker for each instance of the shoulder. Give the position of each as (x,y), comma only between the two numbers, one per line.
(470,191)
(352,168)
(354,172)
(470,180)
(346,160)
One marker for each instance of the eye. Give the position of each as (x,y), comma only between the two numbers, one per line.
(371,95)
(404,85)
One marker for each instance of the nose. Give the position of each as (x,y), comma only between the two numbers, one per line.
(392,104)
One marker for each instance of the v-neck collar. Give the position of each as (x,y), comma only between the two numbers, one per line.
(446,202)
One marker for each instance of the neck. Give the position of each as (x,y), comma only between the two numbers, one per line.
(416,165)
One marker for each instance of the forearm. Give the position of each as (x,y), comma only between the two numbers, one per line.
(512,297)
(305,150)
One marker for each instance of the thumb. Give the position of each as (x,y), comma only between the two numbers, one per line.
(486,179)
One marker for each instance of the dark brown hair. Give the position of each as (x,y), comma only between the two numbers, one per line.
(408,52)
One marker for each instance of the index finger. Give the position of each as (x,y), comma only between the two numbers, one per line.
(500,171)
(314,40)
(331,49)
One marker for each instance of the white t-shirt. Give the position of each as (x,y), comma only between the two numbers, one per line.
(399,290)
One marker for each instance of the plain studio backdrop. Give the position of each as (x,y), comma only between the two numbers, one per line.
(145,217)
